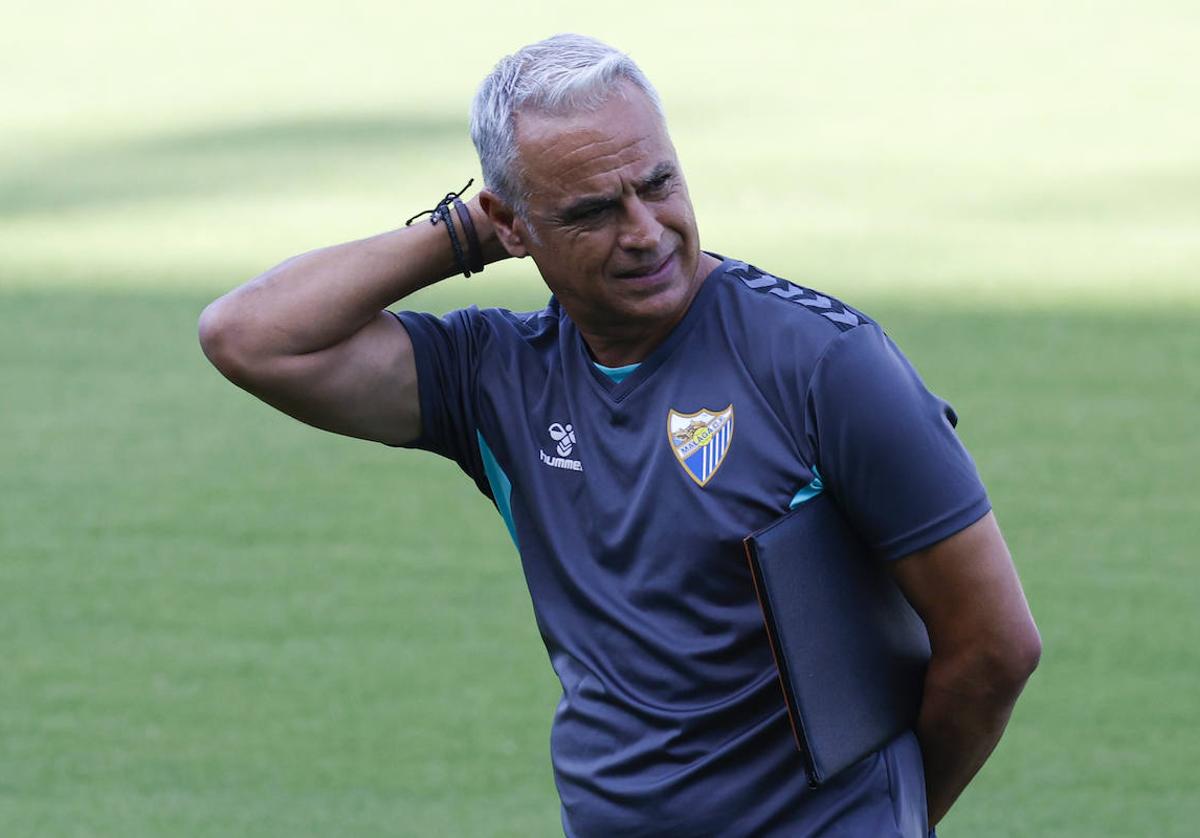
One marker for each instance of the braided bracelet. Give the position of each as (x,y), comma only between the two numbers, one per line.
(467,262)
(460,258)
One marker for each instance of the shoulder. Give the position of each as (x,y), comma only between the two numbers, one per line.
(785,324)
(789,303)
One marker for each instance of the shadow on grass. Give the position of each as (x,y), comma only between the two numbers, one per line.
(159,524)
(232,159)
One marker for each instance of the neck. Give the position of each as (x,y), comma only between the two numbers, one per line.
(616,352)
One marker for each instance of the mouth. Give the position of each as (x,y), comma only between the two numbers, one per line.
(651,273)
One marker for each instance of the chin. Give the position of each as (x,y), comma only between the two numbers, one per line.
(663,299)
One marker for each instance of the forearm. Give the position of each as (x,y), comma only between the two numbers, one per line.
(963,713)
(985,647)
(320,298)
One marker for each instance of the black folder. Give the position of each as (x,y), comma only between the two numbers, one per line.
(851,651)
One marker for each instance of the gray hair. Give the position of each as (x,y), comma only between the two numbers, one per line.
(562,74)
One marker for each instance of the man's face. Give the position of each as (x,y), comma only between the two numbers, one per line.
(609,221)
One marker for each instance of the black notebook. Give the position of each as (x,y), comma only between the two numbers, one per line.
(850,649)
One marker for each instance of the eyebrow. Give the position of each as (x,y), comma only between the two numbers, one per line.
(584,205)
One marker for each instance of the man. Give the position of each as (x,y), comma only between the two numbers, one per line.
(576,422)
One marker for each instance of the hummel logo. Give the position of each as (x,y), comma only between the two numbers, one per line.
(564,436)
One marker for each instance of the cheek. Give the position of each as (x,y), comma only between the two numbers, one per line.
(572,260)
(681,218)
(589,250)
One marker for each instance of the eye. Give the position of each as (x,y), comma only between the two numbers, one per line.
(658,187)
(592,214)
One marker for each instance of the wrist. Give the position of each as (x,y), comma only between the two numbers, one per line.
(462,224)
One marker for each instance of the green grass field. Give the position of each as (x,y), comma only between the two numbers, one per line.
(217,621)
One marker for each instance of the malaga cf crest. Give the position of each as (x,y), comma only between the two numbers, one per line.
(700,440)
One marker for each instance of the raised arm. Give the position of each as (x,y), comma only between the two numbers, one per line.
(310,336)
(985,646)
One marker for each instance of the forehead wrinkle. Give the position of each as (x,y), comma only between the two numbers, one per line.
(603,163)
(570,148)
(604,196)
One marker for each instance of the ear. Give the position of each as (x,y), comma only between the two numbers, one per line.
(510,229)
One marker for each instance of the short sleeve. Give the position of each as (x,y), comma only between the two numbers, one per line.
(886,448)
(447,352)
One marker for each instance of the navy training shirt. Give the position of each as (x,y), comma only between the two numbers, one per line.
(628,501)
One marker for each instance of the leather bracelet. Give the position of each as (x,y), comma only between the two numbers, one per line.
(460,258)
(474,250)
(441,212)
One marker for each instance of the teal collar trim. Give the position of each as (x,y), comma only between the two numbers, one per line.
(617,374)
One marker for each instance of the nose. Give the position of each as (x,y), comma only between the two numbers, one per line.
(640,229)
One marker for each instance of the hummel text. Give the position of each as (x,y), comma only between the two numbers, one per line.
(560,462)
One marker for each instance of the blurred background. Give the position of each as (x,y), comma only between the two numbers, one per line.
(218,621)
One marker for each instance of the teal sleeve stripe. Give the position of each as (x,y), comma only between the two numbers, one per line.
(808,492)
(617,374)
(501,486)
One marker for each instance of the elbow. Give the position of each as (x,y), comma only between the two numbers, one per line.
(995,670)
(1026,655)
(1012,662)
(218,335)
